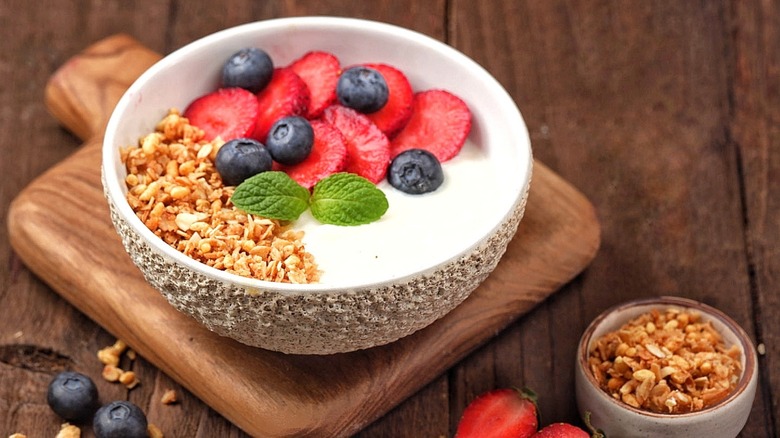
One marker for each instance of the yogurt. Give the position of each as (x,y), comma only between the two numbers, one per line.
(416,232)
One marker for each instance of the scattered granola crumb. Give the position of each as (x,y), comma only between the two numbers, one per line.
(129,379)
(68,430)
(107,357)
(667,362)
(111,354)
(169,397)
(119,347)
(153,431)
(17,435)
(176,191)
(111,373)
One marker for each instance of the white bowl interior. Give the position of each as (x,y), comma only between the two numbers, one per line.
(498,129)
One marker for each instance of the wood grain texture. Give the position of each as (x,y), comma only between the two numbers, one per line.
(663,113)
(83,92)
(754,131)
(630,102)
(265,393)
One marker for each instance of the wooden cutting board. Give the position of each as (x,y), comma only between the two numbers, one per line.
(60,227)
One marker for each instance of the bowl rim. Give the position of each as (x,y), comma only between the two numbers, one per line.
(749,370)
(112,181)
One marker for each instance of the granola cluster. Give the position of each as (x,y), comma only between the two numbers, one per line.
(175,189)
(666,361)
(110,357)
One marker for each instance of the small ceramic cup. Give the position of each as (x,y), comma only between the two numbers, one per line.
(617,419)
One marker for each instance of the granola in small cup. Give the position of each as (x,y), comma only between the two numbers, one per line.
(667,360)
(691,370)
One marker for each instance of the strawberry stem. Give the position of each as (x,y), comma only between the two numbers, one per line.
(595,433)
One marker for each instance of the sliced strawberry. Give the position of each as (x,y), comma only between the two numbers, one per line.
(328,155)
(501,413)
(440,123)
(227,113)
(561,430)
(368,149)
(285,95)
(398,109)
(320,71)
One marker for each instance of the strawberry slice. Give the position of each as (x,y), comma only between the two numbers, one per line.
(328,155)
(368,149)
(398,109)
(285,95)
(320,71)
(227,113)
(501,413)
(440,123)
(561,430)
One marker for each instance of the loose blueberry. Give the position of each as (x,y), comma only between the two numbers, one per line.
(241,158)
(415,171)
(120,419)
(290,140)
(73,396)
(249,68)
(362,89)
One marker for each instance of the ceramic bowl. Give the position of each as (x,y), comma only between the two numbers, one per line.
(387,279)
(617,419)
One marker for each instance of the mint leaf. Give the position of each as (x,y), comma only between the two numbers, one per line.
(273,195)
(347,199)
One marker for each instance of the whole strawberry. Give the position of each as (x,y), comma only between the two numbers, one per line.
(561,430)
(501,413)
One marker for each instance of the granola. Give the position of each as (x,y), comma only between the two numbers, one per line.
(68,430)
(153,431)
(176,191)
(169,397)
(666,361)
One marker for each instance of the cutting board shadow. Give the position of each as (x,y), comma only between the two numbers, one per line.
(264,393)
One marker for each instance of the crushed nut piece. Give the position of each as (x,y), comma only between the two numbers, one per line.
(666,361)
(153,431)
(111,354)
(128,379)
(169,397)
(187,205)
(111,373)
(131,354)
(107,356)
(119,346)
(68,430)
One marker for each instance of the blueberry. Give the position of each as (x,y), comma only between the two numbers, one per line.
(249,68)
(415,171)
(120,419)
(290,140)
(362,89)
(241,158)
(73,396)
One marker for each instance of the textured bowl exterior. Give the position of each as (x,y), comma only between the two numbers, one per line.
(617,419)
(319,323)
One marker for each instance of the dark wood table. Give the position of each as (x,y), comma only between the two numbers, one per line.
(664,114)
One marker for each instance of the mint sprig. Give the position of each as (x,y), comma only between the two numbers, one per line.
(344,199)
(347,199)
(273,195)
